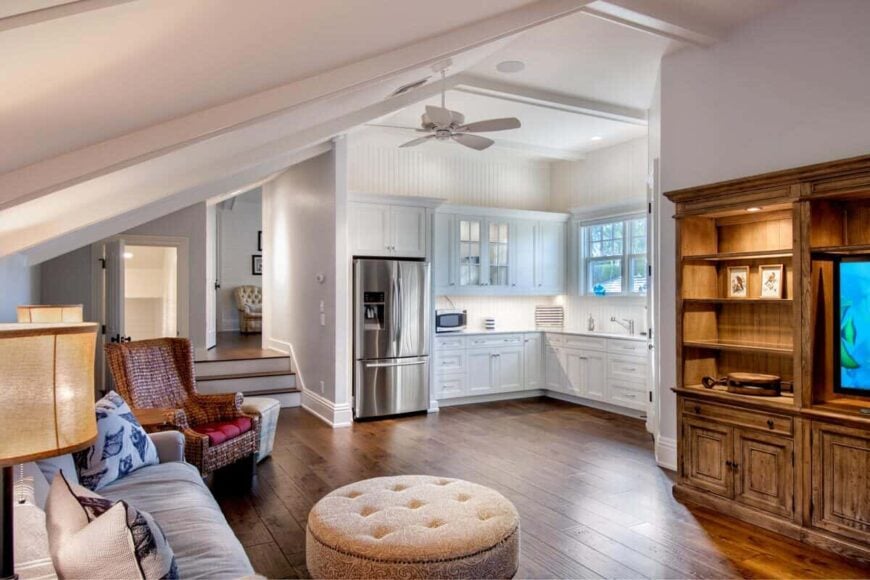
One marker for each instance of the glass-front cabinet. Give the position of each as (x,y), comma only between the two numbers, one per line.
(498,255)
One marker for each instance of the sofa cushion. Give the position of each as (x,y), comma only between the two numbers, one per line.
(121,447)
(221,431)
(175,495)
(93,537)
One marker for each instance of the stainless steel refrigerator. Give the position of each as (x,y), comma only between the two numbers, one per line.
(391,337)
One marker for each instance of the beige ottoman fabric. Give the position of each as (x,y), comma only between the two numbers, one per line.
(413,526)
(268,410)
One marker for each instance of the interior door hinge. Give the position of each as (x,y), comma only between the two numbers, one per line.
(649,270)
(103,263)
(103,329)
(648,207)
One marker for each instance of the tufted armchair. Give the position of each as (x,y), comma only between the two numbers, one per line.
(159,374)
(249,301)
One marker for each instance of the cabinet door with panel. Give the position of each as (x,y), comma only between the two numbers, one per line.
(509,368)
(841,480)
(594,376)
(480,363)
(708,453)
(522,256)
(575,372)
(469,244)
(554,369)
(550,257)
(444,259)
(448,386)
(533,361)
(408,231)
(370,229)
(764,471)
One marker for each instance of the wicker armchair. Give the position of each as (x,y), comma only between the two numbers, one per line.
(249,301)
(159,374)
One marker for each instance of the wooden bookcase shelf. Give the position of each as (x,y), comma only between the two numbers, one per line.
(739,347)
(793,463)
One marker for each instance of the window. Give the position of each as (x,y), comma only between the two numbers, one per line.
(614,258)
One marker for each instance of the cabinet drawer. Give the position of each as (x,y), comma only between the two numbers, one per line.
(449,342)
(585,342)
(450,361)
(627,394)
(764,421)
(632,369)
(495,340)
(450,385)
(627,347)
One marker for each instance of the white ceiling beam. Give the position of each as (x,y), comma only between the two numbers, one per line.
(19,13)
(66,170)
(549,100)
(647,17)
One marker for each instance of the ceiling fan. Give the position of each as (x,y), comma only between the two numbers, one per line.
(444,125)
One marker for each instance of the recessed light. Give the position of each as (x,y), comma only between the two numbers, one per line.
(753,209)
(510,66)
(596,138)
(128,255)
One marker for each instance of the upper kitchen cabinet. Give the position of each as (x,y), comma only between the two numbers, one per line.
(497,252)
(389,226)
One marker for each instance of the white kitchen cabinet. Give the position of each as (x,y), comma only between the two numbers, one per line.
(450,386)
(550,257)
(479,364)
(508,371)
(595,375)
(496,252)
(554,369)
(387,230)
(575,372)
(408,231)
(533,360)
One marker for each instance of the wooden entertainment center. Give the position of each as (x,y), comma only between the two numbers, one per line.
(797,463)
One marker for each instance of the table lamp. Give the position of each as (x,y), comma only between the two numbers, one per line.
(46,404)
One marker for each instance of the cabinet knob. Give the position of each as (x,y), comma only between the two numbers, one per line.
(770,423)
(698,409)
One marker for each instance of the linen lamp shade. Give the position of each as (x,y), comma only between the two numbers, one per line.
(51,313)
(46,390)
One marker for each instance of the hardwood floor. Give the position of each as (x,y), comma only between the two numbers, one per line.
(238,346)
(592,501)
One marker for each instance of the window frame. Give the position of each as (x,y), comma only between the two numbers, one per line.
(625,258)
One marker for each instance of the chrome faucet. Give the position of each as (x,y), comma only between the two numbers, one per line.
(625,323)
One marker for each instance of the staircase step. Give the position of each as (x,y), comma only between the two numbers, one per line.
(243,375)
(248,384)
(242,367)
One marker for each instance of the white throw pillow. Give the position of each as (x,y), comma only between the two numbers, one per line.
(122,446)
(93,537)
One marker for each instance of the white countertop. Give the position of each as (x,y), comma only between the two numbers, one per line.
(636,337)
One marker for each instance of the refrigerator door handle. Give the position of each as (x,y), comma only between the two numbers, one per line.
(395,364)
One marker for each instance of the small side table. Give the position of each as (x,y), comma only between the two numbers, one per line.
(157,419)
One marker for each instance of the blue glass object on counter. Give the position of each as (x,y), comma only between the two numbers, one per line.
(599,290)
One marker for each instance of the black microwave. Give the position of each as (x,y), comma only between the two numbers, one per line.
(449,320)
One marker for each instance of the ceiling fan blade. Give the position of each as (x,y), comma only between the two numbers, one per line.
(440,116)
(473,141)
(417,141)
(492,125)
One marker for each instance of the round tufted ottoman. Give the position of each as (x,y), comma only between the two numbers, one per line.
(413,526)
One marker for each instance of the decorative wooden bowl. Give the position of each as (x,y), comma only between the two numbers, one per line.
(754,384)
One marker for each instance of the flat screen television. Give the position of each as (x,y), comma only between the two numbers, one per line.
(852,320)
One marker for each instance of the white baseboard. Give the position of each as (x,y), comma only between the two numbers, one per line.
(596,405)
(666,453)
(489,398)
(333,415)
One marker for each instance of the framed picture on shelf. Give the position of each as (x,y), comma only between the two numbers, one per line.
(738,282)
(260,241)
(257,265)
(771,281)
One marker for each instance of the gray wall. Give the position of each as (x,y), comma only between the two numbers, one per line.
(19,284)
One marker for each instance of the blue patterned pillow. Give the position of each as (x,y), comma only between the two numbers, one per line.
(122,446)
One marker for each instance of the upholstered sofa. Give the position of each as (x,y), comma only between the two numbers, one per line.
(173,492)
(249,301)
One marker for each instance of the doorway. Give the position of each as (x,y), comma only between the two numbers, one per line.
(150,291)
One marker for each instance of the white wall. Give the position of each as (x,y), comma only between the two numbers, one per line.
(238,229)
(302,209)
(446,170)
(611,175)
(788,89)
(19,284)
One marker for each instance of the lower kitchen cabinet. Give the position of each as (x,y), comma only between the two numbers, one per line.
(588,367)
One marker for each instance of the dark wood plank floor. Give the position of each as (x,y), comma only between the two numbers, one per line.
(238,346)
(592,501)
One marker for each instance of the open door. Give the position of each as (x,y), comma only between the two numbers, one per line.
(115,292)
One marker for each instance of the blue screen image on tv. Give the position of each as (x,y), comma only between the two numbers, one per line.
(854,300)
